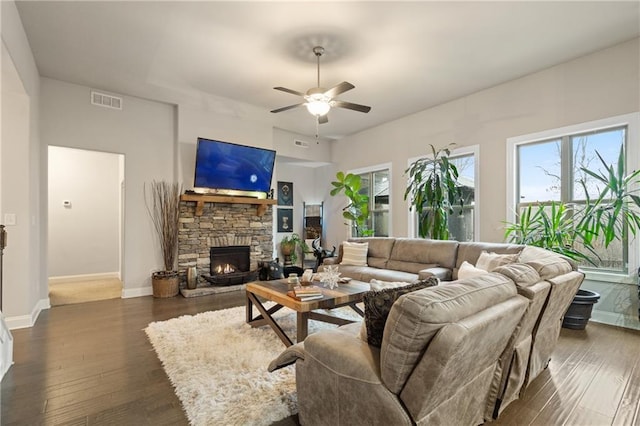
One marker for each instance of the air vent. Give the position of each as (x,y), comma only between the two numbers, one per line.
(104,100)
(301,144)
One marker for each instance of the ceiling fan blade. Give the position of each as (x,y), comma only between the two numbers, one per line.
(323,119)
(339,88)
(349,105)
(287,108)
(293,92)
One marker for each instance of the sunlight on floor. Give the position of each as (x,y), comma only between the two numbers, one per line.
(66,293)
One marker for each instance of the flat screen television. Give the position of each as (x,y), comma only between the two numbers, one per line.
(232,169)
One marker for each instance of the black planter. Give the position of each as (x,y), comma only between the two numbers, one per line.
(579,311)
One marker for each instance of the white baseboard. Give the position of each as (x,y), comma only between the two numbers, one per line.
(617,319)
(6,347)
(26,321)
(128,293)
(84,277)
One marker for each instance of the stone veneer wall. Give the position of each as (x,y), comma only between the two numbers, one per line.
(222,224)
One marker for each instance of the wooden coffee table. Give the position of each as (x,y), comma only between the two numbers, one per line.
(347,294)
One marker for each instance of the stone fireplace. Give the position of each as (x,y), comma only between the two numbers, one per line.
(227,226)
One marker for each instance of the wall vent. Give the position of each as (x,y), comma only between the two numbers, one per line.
(104,100)
(301,144)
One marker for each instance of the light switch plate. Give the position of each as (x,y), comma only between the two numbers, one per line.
(10,219)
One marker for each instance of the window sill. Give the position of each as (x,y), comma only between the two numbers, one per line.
(611,277)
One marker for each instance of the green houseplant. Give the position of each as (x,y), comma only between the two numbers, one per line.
(572,230)
(289,246)
(162,200)
(434,190)
(357,211)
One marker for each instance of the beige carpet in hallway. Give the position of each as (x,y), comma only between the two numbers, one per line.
(66,293)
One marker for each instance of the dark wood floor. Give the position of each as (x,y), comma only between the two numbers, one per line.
(92,364)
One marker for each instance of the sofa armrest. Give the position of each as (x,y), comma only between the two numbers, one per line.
(345,354)
(345,371)
(444,274)
(330,261)
(288,357)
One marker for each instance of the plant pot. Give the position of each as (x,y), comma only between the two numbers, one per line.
(165,283)
(287,250)
(579,311)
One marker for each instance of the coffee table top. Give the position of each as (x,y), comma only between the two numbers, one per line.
(276,291)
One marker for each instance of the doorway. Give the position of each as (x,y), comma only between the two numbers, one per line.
(85,214)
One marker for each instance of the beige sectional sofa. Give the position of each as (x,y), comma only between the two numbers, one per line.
(410,259)
(457,353)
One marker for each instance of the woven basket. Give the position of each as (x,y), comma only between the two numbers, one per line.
(165,286)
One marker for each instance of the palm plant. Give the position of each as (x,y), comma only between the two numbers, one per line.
(617,207)
(435,190)
(552,227)
(573,230)
(357,211)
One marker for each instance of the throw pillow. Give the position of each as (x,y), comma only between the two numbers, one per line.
(467,270)
(378,285)
(354,253)
(377,305)
(490,261)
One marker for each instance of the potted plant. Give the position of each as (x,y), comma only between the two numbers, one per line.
(573,231)
(162,200)
(357,211)
(289,247)
(434,190)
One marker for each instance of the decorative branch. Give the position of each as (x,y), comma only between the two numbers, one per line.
(162,200)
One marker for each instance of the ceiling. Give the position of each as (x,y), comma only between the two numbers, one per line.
(403,57)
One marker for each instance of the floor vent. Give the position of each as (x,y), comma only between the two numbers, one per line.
(301,144)
(104,100)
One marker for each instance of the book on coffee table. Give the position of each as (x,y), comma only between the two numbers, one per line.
(305,293)
(306,290)
(305,298)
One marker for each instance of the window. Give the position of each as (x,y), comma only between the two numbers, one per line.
(548,168)
(463,224)
(376,183)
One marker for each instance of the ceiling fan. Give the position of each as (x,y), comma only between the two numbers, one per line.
(320,100)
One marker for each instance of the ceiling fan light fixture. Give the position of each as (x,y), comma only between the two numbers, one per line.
(318,107)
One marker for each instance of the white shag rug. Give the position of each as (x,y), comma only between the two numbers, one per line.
(217,364)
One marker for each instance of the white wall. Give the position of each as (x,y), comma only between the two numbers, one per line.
(84,236)
(144,131)
(25,286)
(603,84)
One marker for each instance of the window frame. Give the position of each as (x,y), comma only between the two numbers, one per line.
(632,123)
(471,150)
(373,169)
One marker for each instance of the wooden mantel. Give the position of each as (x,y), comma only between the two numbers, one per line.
(260,203)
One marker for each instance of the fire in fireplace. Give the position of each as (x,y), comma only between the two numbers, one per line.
(230,265)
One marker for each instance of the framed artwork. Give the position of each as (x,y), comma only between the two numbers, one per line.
(285,193)
(285,220)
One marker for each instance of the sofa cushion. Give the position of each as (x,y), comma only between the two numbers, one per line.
(490,260)
(413,254)
(377,285)
(377,305)
(548,264)
(470,251)
(467,270)
(520,273)
(354,253)
(416,318)
(379,250)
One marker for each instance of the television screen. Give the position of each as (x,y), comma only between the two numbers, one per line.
(228,166)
